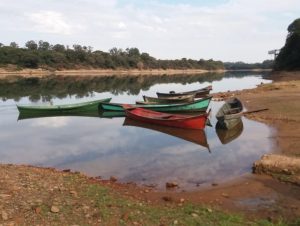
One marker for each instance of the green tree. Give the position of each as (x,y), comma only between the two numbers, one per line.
(14,45)
(59,48)
(77,48)
(31,45)
(133,52)
(115,51)
(289,56)
(44,45)
(30,60)
(294,28)
(43,54)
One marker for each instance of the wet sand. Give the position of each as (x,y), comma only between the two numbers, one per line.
(271,197)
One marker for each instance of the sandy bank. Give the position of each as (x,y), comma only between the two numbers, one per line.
(100,72)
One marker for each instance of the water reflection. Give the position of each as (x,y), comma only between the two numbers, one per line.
(228,135)
(48,88)
(195,136)
(45,114)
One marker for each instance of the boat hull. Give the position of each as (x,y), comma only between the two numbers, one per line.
(229,115)
(198,93)
(196,106)
(172,120)
(79,107)
(168,100)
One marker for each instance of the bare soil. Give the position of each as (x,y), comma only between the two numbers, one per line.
(27,194)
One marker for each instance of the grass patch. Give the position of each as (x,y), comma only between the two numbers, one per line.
(117,210)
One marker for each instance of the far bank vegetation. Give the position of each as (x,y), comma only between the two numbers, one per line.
(44,55)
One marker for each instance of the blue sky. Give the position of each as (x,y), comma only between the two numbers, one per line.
(233,30)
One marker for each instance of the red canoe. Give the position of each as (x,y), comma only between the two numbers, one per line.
(173,120)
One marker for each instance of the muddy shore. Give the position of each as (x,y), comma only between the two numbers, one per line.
(36,196)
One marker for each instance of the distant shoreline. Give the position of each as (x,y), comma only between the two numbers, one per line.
(108,72)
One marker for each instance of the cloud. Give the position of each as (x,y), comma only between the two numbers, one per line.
(51,122)
(227,30)
(51,22)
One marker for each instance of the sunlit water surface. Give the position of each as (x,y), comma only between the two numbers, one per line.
(105,147)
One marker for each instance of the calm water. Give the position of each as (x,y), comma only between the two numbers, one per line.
(129,151)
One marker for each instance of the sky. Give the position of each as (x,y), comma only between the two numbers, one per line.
(227,30)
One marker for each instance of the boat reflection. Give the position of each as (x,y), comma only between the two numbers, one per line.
(111,114)
(98,114)
(192,135)
(228,135)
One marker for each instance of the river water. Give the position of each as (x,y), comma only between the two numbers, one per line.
(131,151)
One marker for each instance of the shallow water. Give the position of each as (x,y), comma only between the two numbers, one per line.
(108,146)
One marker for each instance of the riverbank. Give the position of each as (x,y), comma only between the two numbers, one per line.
(38,196)
(99,72)
(32,196)
(5,73)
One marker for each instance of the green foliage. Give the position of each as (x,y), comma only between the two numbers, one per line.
(267,64)
(289,56)
(31,45)
(44,45)
(45,55)
(13,45)
(294,28)
(29,60)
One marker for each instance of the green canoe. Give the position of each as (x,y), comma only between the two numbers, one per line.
(197,105)
(79,107)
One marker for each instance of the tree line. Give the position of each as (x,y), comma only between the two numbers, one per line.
(44,55)
(289,55)
(266,64)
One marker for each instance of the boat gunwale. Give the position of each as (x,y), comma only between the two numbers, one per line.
(181,97)
(61,106)
(195,92)
(162,105)
(170,120)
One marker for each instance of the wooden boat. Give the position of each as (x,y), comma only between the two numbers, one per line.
(230,113)
(191,135)
(226,136)
(79,107)
(167,100)
(173,120)
(195,106)
(198,93)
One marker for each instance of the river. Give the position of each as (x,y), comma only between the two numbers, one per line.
(129,151)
